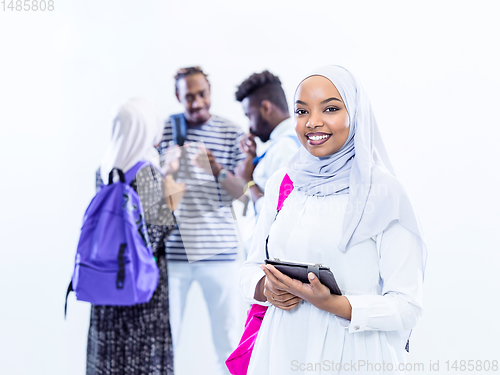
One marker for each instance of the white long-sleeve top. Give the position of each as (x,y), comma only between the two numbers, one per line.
(381,277)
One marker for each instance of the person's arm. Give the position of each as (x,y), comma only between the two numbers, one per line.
(401,270)
(157,211)
(397,308)
(232,184)
(244,171)
(245,168)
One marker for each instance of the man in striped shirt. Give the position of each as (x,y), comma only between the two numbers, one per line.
(204,247)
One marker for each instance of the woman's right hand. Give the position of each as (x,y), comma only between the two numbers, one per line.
(267,290)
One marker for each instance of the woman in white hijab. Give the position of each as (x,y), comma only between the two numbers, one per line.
(348,211)
(137,339)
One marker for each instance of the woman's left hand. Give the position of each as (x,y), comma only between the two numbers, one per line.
(316,293)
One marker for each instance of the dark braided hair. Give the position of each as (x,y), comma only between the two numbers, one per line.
(263,86)
(184,72)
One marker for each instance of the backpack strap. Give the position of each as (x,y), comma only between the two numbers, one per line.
(68,291)
(120,174)
(130,174)
(286,188)
(179,135)
(179,128)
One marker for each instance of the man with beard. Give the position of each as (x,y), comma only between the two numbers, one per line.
(204,246)
(264,103)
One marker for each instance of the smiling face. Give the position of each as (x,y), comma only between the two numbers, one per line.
(321,118)
(193,92)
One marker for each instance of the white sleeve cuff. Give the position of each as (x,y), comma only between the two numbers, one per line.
(359,313)
(249,288)
(255,280)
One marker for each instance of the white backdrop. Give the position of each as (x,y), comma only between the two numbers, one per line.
(431,69)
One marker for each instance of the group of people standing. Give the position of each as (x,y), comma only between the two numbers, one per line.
(193,239)
(347,210)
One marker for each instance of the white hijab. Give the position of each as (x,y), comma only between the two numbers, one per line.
(137,128)
(376,196)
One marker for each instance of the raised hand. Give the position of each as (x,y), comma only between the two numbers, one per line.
(248,145)
(206,160)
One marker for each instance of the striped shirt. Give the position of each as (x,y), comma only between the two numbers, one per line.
(206,227)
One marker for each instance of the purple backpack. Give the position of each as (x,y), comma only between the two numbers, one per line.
(114,262)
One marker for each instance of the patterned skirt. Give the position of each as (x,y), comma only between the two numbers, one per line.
(132,340)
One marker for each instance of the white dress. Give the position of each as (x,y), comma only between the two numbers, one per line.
(381,277)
